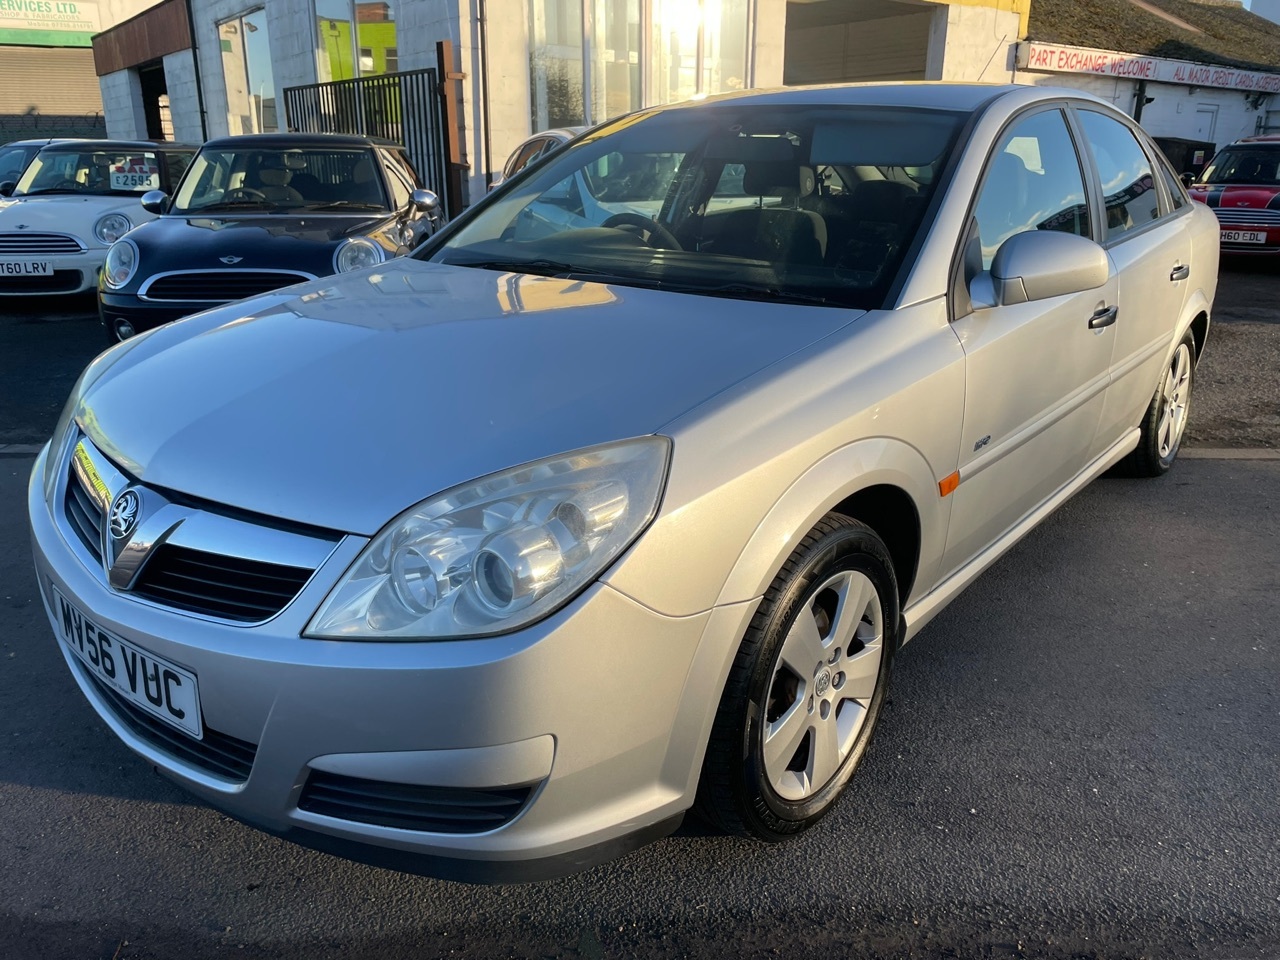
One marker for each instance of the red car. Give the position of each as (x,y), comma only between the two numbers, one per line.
(1242,185)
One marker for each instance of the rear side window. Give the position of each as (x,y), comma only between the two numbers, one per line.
(1128,186)
(1034,182)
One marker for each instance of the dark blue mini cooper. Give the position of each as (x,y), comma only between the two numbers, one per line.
(256,213)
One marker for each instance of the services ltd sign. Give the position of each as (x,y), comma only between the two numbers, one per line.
(49,23)
(1053,58)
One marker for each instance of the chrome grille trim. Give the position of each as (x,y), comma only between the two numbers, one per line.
(251,568)
(1248,216)
(24,244)
(216,283)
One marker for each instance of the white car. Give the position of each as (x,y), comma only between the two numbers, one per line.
(73,201)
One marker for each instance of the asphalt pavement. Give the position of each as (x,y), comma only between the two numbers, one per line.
(1080,759)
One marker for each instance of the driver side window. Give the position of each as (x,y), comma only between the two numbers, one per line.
(1033,182)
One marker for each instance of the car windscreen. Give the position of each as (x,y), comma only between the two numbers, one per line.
(1245,165)
(229,179)
(13,160)
(810,204)
(103,172)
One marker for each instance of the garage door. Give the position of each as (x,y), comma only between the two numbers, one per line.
(49,92)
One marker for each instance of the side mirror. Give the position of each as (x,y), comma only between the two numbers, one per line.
(7,188)
(1038,265)
(1187,178)
(425,202)
(155,201)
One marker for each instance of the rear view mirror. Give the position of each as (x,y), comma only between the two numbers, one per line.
(155,201)
(1040,264)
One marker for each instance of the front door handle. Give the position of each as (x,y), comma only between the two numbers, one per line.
(1180,272)
(1103,317)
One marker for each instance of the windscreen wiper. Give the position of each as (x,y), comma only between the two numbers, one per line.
(345,205)
(750,291)
(540,267)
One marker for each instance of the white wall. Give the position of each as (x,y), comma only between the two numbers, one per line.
(122,105)
(184,103)
(970,44)
(1192,113)
(113,12)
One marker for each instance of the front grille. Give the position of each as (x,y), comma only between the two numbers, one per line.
(218,586)
(217,286)
(406,806)
(218,753)
(1248,216)
(62,281)
(29,244)
(84,515)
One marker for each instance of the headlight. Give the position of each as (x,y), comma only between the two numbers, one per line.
(122,261)
(355,253)
(112,227)
(497,554)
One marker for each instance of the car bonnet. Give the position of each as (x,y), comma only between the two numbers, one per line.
(350,402)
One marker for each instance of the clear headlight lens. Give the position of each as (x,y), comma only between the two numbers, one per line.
(356,253)
(122,261)
(112,227)
(498,554)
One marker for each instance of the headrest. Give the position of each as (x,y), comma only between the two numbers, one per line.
(274,176)
(774,179)
(294,160)
(362,172)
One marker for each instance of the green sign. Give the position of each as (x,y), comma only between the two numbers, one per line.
(49,23)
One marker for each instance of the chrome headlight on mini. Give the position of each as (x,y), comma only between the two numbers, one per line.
(497,554)
(120,265)
(112,227)
(355,253)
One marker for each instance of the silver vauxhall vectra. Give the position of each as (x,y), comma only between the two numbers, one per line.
(493,561)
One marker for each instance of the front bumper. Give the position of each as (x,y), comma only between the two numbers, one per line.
(140,314)
(72,273)
(599,711)
(1230,231)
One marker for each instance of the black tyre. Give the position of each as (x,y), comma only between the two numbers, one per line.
(1166,418)
(806,687)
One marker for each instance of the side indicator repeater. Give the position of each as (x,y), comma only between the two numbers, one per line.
(948,484)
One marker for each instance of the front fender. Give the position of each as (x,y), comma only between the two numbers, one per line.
(838,476)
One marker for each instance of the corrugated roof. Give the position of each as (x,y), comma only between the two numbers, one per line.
(1228,34)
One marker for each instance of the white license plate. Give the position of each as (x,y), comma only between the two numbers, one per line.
(26,268)
(151,683)
(1244,236)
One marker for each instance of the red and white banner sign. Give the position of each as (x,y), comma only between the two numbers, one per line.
(1051,58)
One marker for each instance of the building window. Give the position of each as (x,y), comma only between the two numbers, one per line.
(590,60)
(246,73)
(355,38)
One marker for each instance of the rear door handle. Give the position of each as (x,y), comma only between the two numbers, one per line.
(1103,317)
(1180,272)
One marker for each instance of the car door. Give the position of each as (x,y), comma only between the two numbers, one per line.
(1036,372)
(1149,242)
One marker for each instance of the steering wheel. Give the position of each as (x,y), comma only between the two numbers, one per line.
(68,184)
(244,193)
(655,230)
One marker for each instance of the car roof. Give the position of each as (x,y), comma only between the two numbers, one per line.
(294,141)
(39,142)
(86,145)
(1271,138)
(924,94)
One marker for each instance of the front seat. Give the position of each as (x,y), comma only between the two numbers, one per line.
(274,177)
(784,234)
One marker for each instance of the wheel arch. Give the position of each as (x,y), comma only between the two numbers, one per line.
(884,483)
